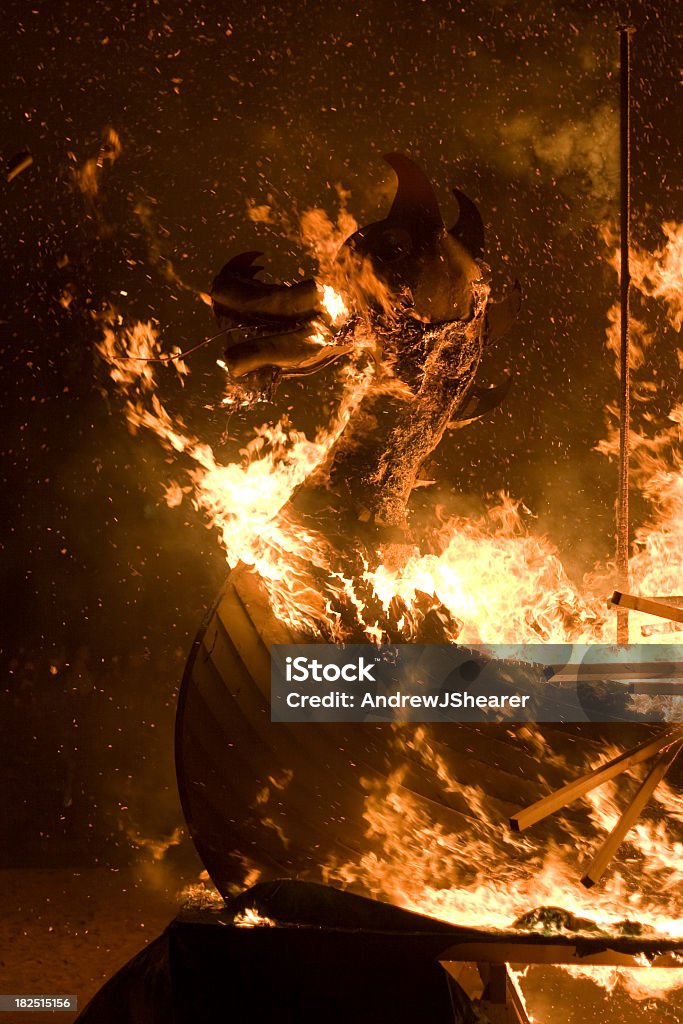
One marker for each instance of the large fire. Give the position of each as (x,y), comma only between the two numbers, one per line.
(498,581)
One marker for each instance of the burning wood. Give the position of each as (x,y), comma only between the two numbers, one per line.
(666,746)
(662,607)
(419,293)
(604,855)
(295,352)
(579,787)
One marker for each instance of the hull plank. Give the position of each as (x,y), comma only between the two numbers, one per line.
(298,799)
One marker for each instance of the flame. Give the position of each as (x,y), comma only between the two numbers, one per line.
(501,583)
(250,918)
(416,863)
(156,848)
(506,585)
(201,896)
(335,305)
(517,979)
(660,274)
(241,501)
(657,562)
(323,237)
(640,982)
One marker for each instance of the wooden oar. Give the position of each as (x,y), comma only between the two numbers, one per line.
(647,605)
(579,787)
(630,815)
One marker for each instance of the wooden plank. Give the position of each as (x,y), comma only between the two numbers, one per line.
(619,671)
(647,605)
(468,771)
(253,594)
(496,990)
(515,999)
(585,783)
(254,749)
(630,816)
(17,164)
(468,978)
(245,638)
(333,792)
(231,776)
(588,953)
(661,628)
(339,747)
(501,1000)
(508,750)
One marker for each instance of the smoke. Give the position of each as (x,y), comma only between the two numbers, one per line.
(581,156)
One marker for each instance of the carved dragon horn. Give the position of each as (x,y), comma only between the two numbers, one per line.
(469,227)
(241,266)
(415,204)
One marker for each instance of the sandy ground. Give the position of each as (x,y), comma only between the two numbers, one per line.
(65,932)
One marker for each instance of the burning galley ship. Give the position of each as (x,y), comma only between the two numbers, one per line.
(417,319)
(413,816)
(408,319)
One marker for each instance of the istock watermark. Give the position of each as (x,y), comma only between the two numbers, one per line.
(497,683)
(303,669)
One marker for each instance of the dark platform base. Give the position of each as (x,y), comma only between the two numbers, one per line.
(334,957)
(206,969)
(301,975)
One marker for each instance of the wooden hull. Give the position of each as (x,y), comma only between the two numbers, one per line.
(289,798)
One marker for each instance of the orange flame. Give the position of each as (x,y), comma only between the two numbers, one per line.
(497,578)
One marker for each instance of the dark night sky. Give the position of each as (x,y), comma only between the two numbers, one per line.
(515,102)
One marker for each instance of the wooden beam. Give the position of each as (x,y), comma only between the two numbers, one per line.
(630,816)
(597,952)
(647,605)
(623,542)
(515,1000)
(492,987)
(585,783)
(626,672)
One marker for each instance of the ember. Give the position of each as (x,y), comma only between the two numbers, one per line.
(340,555)
(390,440)
(325,527)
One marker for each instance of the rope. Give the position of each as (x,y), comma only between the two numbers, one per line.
(178,355)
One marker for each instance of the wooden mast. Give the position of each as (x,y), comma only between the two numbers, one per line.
(625,367)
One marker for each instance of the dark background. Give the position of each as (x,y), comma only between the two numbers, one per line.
(104,586)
